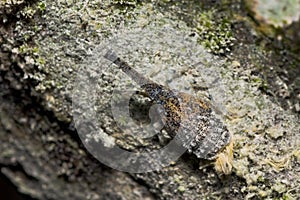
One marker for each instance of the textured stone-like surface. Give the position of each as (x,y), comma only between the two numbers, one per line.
(41,51)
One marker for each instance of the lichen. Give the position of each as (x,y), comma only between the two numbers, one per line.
(275,13)
(266,155)
(41,6)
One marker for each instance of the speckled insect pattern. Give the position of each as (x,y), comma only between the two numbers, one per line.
(206,135)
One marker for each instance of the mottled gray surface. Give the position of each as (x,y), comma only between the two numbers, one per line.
(43,48)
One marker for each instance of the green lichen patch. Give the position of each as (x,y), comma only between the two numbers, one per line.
(215,34)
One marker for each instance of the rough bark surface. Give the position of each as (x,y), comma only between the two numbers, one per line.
(43,45)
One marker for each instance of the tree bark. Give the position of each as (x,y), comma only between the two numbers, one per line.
(44,42)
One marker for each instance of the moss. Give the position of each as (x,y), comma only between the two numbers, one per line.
(41,61)
(33,52)
(28,12)
(216,35)
(288,196)
(41,6)
(27,50)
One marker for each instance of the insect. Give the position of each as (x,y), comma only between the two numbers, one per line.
(204,133)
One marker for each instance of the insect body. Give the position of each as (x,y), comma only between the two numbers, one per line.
(204,133)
